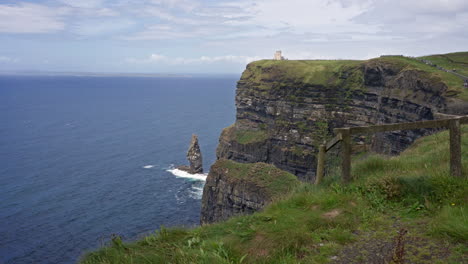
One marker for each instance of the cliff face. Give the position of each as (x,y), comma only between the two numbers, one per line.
(285,109)
(233,188)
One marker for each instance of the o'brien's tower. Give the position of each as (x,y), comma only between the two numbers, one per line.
(278,55)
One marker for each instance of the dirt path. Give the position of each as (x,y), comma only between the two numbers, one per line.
(398,242)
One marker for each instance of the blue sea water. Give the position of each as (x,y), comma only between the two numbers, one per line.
(82,158)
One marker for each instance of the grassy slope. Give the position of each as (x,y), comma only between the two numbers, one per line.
(333,222)
(273,181)
(453,82)
(327,72)
(244,136)
(307,72)
(457,61)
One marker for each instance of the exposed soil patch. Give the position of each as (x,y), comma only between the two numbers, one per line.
(332,214)
(396,243)
(258,250)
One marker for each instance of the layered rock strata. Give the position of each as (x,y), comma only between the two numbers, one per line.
(233,188)
(285,109)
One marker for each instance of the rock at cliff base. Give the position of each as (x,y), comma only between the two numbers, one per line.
(194,157)
(242,188)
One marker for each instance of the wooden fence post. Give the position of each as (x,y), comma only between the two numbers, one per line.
(320,164)
(346,155)
(455,148)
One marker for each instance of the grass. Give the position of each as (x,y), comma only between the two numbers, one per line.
(306,72)
(265,75)
(250,136)
(271,180)
(331,223)
(453,61)
(454,83)
(244,136)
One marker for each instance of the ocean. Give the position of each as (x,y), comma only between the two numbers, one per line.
(82,158)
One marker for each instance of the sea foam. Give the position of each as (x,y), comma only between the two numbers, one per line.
(184,174)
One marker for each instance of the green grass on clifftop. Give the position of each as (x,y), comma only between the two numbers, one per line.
(250,136)
(452,61)
(453,82)
(244,136)
(270,179)
(333,223)
(309,72)
(349,74)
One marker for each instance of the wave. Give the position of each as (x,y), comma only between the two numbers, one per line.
(148,166)
(184,174)
(196,192)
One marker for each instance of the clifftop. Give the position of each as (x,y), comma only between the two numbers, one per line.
(331,73)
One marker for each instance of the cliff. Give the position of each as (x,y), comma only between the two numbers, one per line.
(285,109)
(233,188)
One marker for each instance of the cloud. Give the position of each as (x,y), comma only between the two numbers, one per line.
(31,18)
(416,20)
(162,59)
(6,59)
(255,18)
(185,5)
(98,27)
(308,16)
(83,3)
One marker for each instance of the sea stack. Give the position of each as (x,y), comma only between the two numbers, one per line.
(194,157)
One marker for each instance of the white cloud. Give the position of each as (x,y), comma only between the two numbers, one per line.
(31,18)
(417,20)
(97,12)
(258,18)
(185,5)
(170,31)
(89,8)
(83,3)
(162,59)
(6,59)
(305,16)
(95,27)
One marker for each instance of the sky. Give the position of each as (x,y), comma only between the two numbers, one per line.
(219,36)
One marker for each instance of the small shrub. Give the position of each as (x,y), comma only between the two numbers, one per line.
(389,187)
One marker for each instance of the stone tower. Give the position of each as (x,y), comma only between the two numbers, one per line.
(278,55)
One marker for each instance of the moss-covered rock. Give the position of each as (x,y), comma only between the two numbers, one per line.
(242,188)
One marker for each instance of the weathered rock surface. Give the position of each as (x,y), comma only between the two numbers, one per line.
(282,117)
(233,188)
(286,109)
(194,157)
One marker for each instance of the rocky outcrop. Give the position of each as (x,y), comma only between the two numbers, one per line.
(234,188)
(285,109)
(194,157)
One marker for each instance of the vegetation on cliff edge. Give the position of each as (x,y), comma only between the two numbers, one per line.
(266,177)
(404,208)
(348,74)
(244,136)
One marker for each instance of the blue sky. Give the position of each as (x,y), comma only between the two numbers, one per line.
(208,36)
